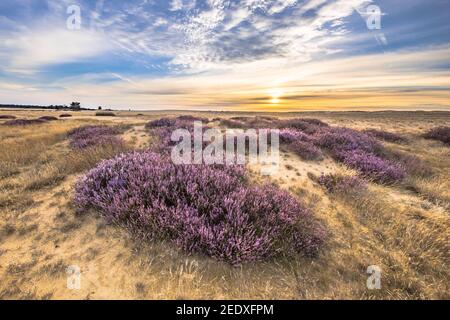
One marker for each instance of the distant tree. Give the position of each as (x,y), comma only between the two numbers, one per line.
(99,108)
(75,106)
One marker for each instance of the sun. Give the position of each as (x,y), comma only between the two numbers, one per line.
(275,95)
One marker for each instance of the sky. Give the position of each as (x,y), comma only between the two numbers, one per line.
(253,55)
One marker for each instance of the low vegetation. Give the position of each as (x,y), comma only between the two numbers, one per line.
(201,208)
(440,133)
(320,223)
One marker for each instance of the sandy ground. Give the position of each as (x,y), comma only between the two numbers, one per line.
(403,231)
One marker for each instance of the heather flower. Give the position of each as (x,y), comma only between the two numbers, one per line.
(440,133)
(212,210)
(291,135)
(90,136)
(338,140)
(373,167)
(7,117)
(412,164)
(163,122)
(309,126)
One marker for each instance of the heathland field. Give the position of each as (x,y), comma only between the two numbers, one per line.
(353,190)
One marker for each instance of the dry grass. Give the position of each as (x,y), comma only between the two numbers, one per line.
(403,229)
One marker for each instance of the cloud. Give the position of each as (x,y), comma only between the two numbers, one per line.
(219,53)
(176,5)
(32,50)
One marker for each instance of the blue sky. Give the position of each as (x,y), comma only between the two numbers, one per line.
(226,54)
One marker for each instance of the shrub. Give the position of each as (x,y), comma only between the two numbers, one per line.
(192,118)
(65,115)
(385,135)
(373,167)
(342,184)
(291,135)
(440,133)
(163,128)
(305,150)
(89,136)
(229,123)
(163,122)
(105,114)
(412,164)
(48,118)
(309,126)
(338,140)
(7,117)
(213,210)
(23,122)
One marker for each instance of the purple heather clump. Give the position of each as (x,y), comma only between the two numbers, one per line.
(412,164)
(164,132)
(192,118)
(212,210)
(291,135)
(385,135)
(90,136)
(339,140)
(309,126)
(440,133)
(361,152)
(305,150)
(342,184)
(373,167)
(233,124)
(48,118)
(7,117)
(23,122)
(163,122)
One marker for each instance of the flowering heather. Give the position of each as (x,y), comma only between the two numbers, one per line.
(305,150)
(163,122)
(412,164)
(373,167)
(192,118)
(65,115)
(211,210)
(48,118)
(7,117)
(165,127)
(23,122)
(385,135)
(342,184)
(440,133)
(309,126)
(230,123)
(291,135)
(339,140)
(89,136)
